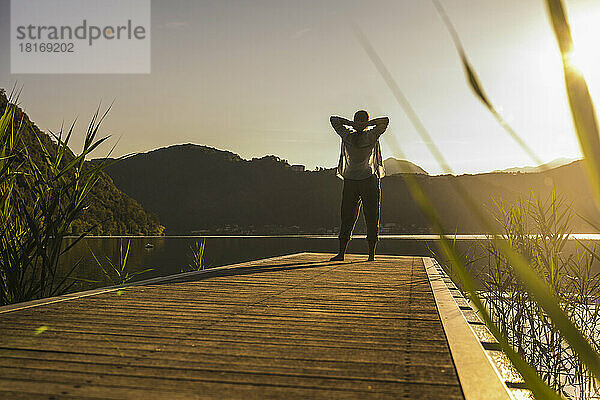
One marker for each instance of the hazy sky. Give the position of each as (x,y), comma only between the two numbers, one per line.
(260,77)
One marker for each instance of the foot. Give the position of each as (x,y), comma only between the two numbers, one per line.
(339,257)
(372,246)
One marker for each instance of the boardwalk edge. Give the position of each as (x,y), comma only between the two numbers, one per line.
(477,373)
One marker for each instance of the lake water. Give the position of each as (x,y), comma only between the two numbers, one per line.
(171,254)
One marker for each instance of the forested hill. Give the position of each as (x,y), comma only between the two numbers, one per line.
(196,188)
(110,211)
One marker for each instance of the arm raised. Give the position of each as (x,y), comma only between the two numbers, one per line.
(340,125)
(379,125)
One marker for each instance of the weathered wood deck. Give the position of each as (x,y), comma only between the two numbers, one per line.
(289,327)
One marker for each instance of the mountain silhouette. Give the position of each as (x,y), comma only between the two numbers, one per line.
(394,166)
(549,165)
(109,210)
(195,188)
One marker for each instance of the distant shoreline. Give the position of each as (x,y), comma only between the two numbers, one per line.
(581,236)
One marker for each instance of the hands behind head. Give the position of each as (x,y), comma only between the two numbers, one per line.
(360,126)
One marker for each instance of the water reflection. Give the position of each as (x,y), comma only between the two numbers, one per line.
(169,255)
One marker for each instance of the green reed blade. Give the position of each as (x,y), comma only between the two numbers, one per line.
(539,289)
(580,101)
(477,88)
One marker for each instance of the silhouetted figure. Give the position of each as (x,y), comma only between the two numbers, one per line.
(361,167)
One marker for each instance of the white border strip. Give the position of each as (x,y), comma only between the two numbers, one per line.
(477,374)
(160,279)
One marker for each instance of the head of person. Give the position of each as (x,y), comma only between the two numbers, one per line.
(361,116)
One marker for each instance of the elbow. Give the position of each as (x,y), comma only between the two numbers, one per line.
(334,121)
(385,122)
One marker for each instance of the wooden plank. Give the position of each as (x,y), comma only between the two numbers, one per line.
(290,327)
(419,371)
(95,292)
(89,389)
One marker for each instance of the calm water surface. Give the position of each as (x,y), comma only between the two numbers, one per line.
(168,255)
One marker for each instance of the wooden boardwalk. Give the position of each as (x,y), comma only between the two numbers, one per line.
(290,327)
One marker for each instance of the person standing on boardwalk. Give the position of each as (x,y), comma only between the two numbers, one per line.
(361,168)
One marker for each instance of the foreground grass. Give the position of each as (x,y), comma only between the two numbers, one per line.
(544,296)
(38,203)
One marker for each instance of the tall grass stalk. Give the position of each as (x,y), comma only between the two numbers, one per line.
(118,273)
(539,290)
(534,382)
(539,230)
(39,199)
(580,101)
(197,256)
(586,127)
(478,89)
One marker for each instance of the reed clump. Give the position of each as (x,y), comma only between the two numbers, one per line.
(539,230)
(197,262)
(44,187)
(118,272)
(563,313)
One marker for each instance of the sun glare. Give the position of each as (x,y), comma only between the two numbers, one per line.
(577,61)
(586,53)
